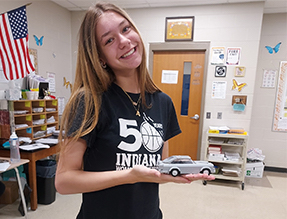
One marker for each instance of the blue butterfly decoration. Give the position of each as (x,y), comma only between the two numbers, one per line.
(39,42)
(275,49)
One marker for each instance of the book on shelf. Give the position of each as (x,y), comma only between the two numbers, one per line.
(240,131)
(214,149)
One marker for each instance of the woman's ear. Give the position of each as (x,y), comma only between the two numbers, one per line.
(103,63)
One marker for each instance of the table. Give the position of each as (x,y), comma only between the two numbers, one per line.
(14,166)
(33,156)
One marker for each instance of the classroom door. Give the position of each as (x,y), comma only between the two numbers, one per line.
(180,75)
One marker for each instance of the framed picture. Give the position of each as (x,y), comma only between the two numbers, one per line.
(220,71)
(239,71)
(179,28)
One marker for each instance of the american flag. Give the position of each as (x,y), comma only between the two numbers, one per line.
(14,53)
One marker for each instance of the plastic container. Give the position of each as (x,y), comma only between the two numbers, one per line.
(14,148)
(46,171)
(30,95)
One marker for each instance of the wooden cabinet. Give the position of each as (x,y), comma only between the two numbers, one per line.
(34,118)
(228,153)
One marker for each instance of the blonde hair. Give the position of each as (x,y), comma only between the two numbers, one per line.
(91,79)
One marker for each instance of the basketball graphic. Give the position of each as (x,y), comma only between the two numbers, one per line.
(151,138)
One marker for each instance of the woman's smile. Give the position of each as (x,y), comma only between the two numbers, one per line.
(129,53)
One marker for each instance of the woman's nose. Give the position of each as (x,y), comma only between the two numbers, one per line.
(124,41)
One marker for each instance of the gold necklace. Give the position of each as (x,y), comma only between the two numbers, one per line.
(135,103)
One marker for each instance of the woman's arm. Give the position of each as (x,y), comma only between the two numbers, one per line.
(70,177)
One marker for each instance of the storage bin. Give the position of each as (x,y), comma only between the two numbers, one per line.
(46,191)
(11,193)
(254,169)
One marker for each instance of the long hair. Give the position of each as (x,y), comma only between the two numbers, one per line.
(91,79)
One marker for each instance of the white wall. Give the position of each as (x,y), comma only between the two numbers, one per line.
(273,144)
(229,25)
(48,19)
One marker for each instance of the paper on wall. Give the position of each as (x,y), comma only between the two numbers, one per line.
(169,76)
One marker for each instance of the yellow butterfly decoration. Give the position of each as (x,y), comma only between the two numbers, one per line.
(238,87)
(67,84)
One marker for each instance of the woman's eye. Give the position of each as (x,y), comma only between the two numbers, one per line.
(109,41)
(126,28)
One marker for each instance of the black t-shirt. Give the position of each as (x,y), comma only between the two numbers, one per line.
(120,140)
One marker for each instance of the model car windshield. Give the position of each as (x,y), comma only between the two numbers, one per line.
(183,160)
(177,160)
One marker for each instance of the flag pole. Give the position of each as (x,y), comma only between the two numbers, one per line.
(30,3)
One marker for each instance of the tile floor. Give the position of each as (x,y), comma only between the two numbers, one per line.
(261,199)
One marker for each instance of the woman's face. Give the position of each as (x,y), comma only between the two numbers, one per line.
(120,45)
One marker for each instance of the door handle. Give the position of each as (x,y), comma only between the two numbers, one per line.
(195,117)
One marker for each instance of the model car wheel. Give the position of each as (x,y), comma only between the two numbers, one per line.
(174,172)
(206,171)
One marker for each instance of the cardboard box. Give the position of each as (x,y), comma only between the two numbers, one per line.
(254,169)
(11,193)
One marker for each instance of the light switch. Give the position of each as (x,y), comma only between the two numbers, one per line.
(219,115)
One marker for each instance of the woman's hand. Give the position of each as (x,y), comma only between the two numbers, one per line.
(198,176)
(144,174)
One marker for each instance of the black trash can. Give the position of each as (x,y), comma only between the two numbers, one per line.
(46,191)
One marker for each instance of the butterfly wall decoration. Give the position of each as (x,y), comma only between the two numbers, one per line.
(39,42)
(238,86)
(67,84)
(275,49)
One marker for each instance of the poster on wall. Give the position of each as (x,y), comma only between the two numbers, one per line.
(268,80)
(280,111)
(51,77)
(218,89)
(217,55)
(233,56)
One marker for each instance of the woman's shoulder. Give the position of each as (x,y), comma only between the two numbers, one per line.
(161,95)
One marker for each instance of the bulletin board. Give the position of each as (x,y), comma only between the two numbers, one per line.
(280,111)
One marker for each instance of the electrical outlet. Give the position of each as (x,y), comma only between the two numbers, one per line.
(219,115)
(208,115)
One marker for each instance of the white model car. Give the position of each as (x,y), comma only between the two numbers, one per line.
(176,165)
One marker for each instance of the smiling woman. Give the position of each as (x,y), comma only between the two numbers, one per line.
(120,45)
(117,123)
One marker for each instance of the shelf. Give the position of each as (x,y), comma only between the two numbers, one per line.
(29,116)
(229,143)
(226,162)
(220,176)
(228,135)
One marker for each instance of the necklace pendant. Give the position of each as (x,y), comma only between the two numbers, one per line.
(138,113)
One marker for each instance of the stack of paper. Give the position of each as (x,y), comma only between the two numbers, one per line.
(4,164)
(235,141)
(51,119)
(216,140)
(17,126)
(31,147)
(231,171)
(47,141)
(232,156)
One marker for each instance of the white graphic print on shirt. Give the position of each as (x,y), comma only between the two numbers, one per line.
(148,136)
